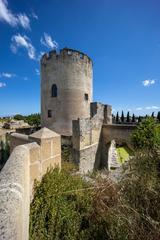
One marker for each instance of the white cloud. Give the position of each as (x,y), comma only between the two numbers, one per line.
(12,19)
(34,15)
(7,75)
(48,42)
(19,41)
(152,108)
(139,109)
(24,21)
(148,82)
(37,71)
(2,84)
(40,55)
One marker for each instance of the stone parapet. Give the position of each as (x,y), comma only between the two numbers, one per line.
(26,163)
(15,196)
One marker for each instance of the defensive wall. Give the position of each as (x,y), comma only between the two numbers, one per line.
(87,137)
(30,158)
(94,139)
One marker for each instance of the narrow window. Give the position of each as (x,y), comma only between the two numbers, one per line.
(49,113)
(86,96)
(54,90)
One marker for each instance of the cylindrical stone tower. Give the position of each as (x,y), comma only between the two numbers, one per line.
(66,89)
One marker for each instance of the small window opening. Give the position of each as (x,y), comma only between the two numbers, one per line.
(54,90)
(49,113)
(86,96)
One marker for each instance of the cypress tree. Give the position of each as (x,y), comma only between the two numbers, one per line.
(128,117)
(122,117)
(133,118)
(117,117)
(158,116)
(139,119)
(152,115)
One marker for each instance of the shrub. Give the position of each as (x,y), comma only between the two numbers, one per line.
(59,208)
(147,135)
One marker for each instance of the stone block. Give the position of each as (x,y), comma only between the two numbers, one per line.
(56,146)
(45,149)
(35,171)
(85,140)
(34,154)
(47,164)
(96,133)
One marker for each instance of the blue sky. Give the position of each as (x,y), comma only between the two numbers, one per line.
(122,37)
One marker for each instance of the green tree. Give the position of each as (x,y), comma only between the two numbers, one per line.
(19,117)
(139,119)
(133,118)
(117,117)
(128,117)
(147,135)
(158,116)
(122,117)
(33,119)
(152,115)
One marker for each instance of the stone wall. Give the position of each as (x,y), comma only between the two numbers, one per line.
(15,195)
(87,137)
(17,139)
(48,152)
(112,156)
(94,139)
(26,163)
(121,133)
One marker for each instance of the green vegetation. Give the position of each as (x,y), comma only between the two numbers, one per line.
(147,135)
(123,153)
(59,209)
(66,207)
(33,119)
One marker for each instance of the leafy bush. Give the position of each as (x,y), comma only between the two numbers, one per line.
(33,119)
(59,209)
(147,135)
(65,207)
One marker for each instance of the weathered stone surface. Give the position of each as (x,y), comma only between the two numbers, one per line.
(71,71)
(26,163)
(113,156)
(15,196)
(51,162)
(17,139)
(56,146)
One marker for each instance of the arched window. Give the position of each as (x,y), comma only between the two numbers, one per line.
(54,90)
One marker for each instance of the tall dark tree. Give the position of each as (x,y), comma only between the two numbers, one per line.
(139,119)
(128,117)
(117,117)
(158,116)
(122,117)
(133,118)
(152,115)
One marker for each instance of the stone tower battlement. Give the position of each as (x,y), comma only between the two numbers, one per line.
(66,89)
(66,54)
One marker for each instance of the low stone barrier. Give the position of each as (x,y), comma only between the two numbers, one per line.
(26,163)
(15,196)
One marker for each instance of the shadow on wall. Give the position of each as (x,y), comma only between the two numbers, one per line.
(4,152)
(99,163)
